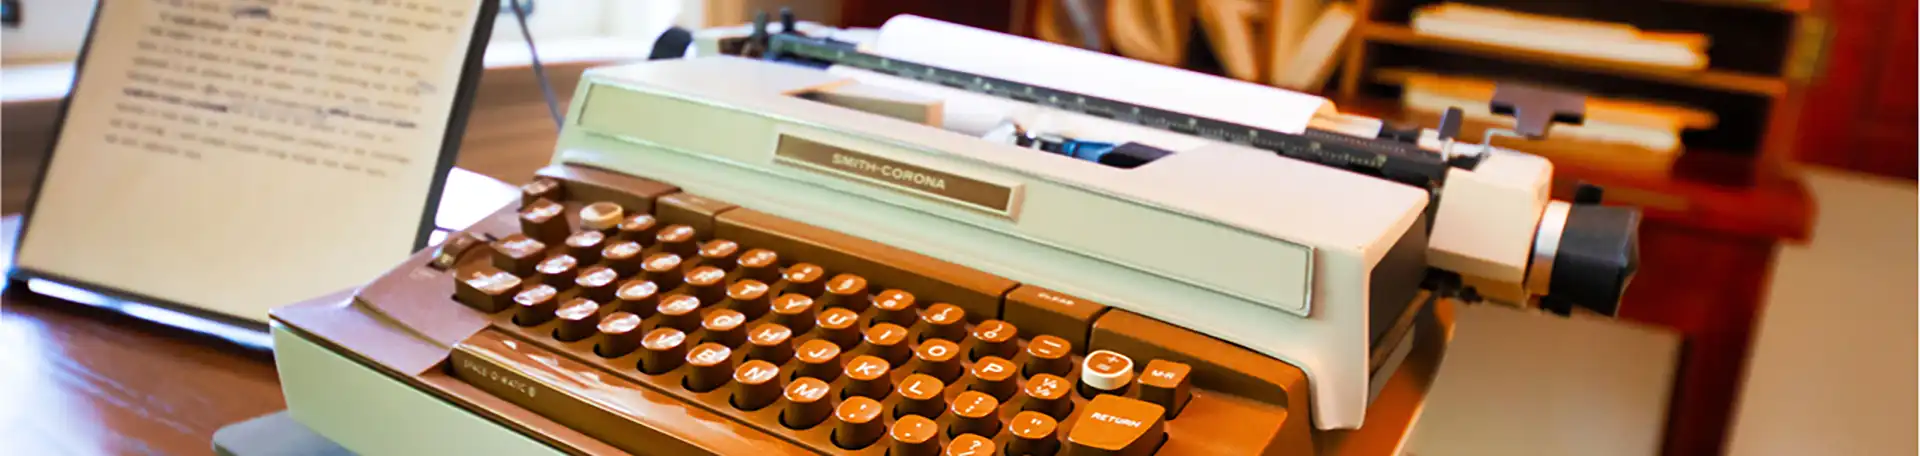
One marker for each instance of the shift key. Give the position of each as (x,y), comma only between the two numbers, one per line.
(1037,310)
(1114,425)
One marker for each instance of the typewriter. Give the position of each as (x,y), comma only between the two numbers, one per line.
(800,247)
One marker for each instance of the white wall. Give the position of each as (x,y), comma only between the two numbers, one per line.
(50,31)
(1833,363)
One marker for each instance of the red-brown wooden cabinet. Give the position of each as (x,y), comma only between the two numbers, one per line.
(1860,113)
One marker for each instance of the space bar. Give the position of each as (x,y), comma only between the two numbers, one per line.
(615,411)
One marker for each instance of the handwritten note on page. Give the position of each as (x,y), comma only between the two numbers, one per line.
(239,155)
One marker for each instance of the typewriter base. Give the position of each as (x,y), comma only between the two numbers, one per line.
(370,412)
(274,434)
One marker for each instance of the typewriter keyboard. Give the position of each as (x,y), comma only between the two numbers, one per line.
(615,290)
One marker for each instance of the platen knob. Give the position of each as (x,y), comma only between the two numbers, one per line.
(1587,256)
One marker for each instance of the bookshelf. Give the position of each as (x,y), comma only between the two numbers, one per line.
(1761,55)
(1715,210)
(1723,80)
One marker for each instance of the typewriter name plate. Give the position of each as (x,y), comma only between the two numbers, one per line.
(993,198)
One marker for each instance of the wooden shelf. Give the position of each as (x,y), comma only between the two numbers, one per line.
(1784,6)
(1718,191)
(1711,79)
(1720,207)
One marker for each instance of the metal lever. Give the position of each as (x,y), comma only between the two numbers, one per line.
(1535,109)
(1450,122)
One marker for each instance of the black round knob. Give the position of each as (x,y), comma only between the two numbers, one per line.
(1598,255)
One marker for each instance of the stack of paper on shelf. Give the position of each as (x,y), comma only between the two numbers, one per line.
(1293,44)
(1617,133)
(1565,36)
(1150,30)
(1310,58)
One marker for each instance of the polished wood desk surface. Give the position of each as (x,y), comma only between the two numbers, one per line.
(83,381)
(88,380)
(78,380)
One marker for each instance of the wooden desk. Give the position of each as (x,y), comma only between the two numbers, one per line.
(83,380)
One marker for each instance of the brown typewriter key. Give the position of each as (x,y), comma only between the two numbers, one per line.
(542,220)
(846,290)
(755,384)
(759,264)
(770,342)
(975,412)
(619,334)
(920,395)
(557,270)
(944,321)
(971,445)
(857,423)
(804,278)
(837,325)
(711,367)
(680,312)
(518,254)
(663,269)
(577,319)
(889,342)
(536,305)
(1105,372)
(793,311)
(622,256)
(586,246)
(867,377)
(454,248)
(939,358)
(1119,426)
(994,338)
(677,239)
(724,327)
(637,228)
(707,283)
(601,217)
(1033,433)
(807,403)
(596,283)
(749,297)
(1165,383)
(540,188)
(638,297)
(719,253)
(994,376)
(662,350)
(487,290)
(894,306)
(818,359)
(1047,354)
(914,435)
(1047,393)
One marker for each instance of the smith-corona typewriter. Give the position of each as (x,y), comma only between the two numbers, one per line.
(802,248)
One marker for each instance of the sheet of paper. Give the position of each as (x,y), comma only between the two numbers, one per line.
(1025,60)
(238,155)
